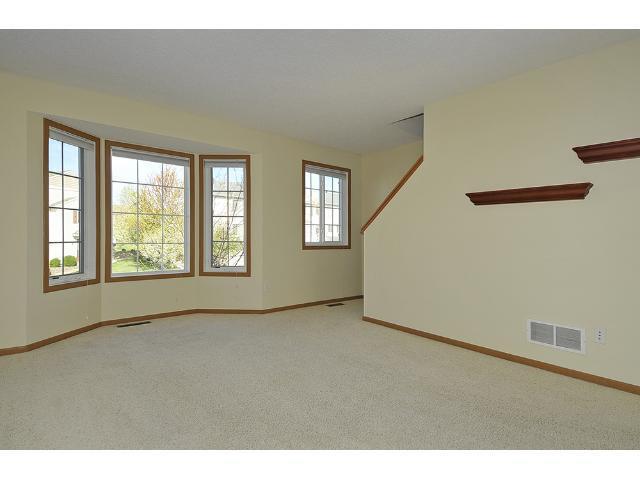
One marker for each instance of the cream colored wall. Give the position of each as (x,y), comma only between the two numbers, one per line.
(382,170)
(13,195)
(74,308)
(338,273)
(282,272)
(435,262)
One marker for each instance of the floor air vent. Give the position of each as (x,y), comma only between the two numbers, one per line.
(556,336)
(133,324)
(334,304)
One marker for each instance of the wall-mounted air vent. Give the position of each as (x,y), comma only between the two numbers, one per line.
(556,336)
(133,324)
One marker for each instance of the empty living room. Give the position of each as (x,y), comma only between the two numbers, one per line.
(252,242)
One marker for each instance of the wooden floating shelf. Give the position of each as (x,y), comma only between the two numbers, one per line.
(549,193)
(605,152)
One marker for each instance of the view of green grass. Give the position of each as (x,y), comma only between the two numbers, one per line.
(124,265)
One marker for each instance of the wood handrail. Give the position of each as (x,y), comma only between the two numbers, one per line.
(392,193)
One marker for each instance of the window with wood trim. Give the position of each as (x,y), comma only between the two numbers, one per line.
(149,201)
(225,215)
(71,197)
(326,206)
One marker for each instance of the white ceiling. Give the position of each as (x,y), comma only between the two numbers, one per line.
(340,88)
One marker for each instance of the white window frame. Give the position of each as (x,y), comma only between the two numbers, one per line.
(87,209)
(343,175)
(210,161)
(149,156)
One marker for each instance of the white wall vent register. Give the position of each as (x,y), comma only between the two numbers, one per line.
(556,336)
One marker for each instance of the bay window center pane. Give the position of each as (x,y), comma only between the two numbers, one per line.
(148,215)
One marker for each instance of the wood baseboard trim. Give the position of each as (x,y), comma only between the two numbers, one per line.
(47,341)
(311,304)
(587,377)
(152,316)
(229,311)
(155,316)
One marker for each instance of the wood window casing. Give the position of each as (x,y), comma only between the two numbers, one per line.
(48,125)
(347,171)
(109,144)
(205,224)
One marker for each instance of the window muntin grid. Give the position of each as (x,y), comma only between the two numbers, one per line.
(66,209)
(149,214)
(324,205)
(226,211)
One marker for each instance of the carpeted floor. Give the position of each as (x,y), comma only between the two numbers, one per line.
(312,378)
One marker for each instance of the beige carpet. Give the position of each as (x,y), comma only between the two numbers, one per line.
(311,378)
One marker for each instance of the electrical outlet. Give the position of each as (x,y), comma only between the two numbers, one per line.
(600,334)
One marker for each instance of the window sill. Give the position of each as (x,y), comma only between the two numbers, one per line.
(224,273)
(151,276)
(325,247)
(66,285)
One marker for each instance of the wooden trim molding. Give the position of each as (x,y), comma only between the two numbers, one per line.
(392,193)
(310,304)
(330,167)
(151,316)
(47,341)
(587,377)
(177,313)
(604,152)
(550,193)
(247,213)
(108,144)
(47,126)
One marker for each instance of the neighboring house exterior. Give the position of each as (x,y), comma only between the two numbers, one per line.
(62,223)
